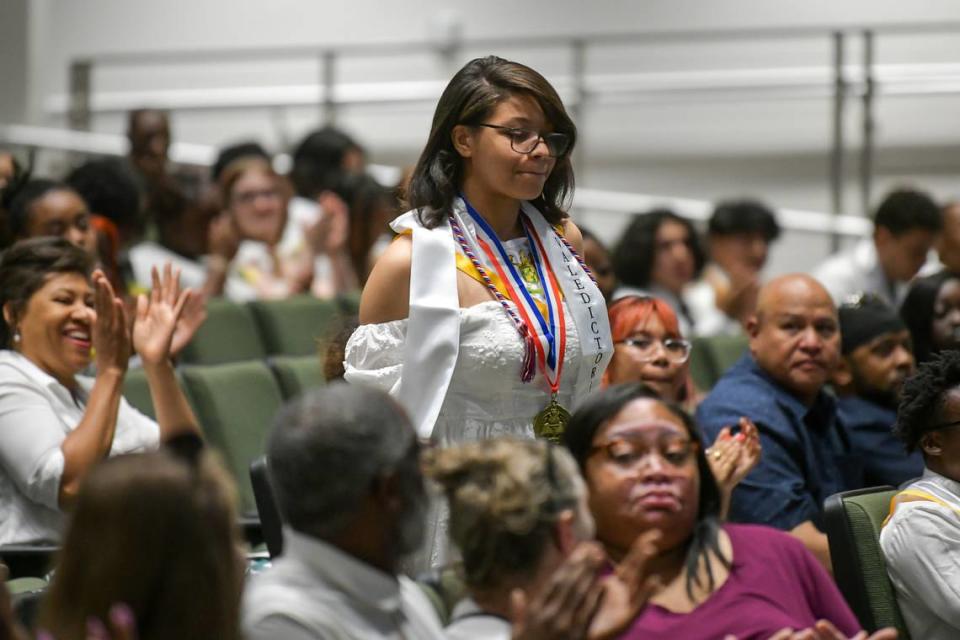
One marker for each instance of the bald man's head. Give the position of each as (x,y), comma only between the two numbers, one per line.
(794,334)
(149,133)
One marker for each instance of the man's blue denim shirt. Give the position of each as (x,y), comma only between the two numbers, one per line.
(806,456)
(869,427)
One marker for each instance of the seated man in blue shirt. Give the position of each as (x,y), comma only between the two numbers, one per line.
(794,348)
(877,358)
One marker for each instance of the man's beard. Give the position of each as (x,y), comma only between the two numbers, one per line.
(886,399)
(412,523)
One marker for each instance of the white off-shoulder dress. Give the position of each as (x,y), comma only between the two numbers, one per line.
(485,399)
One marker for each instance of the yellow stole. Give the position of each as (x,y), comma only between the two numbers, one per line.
(915,495)
(465,266)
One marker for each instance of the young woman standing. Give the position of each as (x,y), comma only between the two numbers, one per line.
(480,318)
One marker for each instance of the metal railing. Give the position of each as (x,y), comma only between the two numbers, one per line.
(836,79)
(585,199)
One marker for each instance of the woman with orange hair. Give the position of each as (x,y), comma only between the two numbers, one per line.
(649,348)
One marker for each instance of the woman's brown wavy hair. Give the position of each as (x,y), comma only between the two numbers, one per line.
(469,99)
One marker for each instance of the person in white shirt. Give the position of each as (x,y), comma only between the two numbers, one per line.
(905,227)
(921,538)
(56,424)
(948,244)
(739,235)
(344,466)
(322,160)
(274,253)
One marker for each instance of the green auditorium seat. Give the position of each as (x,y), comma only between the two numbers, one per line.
(293,327)
(702,369)
(852,521)
(136,392)
(725,351)
(349,303)
(297,374)
(235,404)
(229,334)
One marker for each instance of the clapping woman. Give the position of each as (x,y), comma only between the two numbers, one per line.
(645,467)
(648,348)
(57,424)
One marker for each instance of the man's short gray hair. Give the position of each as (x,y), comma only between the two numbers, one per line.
(327,447)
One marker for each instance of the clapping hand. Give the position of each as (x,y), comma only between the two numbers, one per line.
(577,602)
(223,238)
(626,590)
(194,314)
(732,457)
(564,607)
(157,316)
(111,335)
(329,234)
(824,630)
(120,625)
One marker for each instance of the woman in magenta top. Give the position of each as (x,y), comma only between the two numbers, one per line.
(644,464)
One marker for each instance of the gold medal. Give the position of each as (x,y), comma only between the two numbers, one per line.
(550,423)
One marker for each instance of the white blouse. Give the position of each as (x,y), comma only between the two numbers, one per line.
(921,543)
(486,398)
(317,590)
(36,414)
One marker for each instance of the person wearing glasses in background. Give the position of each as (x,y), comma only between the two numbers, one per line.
(780,385)
(481,318)
(921,537)
(648,348)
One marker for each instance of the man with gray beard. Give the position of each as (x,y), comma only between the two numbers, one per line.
(344,466)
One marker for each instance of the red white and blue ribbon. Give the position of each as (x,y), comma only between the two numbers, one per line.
(546,332)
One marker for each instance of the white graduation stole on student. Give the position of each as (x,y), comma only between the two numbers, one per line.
(433,329)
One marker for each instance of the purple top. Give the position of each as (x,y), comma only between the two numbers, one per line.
(774,583)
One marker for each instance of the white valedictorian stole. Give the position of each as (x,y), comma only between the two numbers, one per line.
(433,329)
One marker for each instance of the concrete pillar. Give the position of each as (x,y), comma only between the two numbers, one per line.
(14,61)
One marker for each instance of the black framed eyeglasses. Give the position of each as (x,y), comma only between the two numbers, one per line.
(626,452)
(525,140)
(675,349)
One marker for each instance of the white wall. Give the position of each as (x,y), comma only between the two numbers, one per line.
(700,146)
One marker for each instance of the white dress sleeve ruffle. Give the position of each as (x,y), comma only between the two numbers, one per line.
(374,355)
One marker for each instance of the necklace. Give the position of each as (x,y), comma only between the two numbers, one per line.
(545,347)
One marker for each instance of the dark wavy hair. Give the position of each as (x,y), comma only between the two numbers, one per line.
(636,252)
(25,268)
(318,158)
(903,210)
(921,400)
(917,312)
(24,196)
(600,408)
(732,217)
(110,188)
(469,99)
